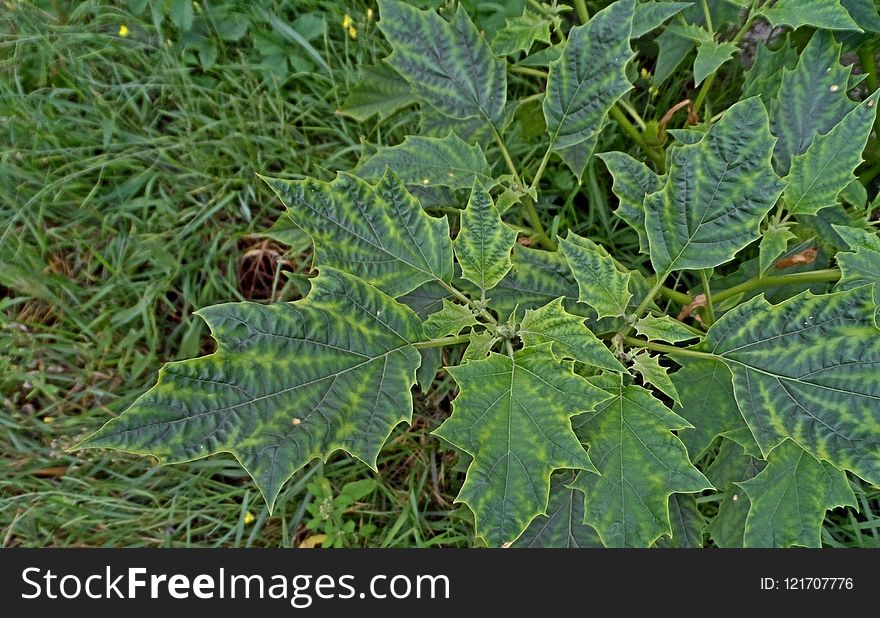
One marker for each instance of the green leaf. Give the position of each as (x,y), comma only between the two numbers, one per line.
(602,286)
(864,13)
(655,374)
(520,33)
(570,338)
(710,57)
(640,464)
(181,12)
(774,243)
(819,175)
(479,347)
(806,369)
(707,402)
(432,360)
(562,526)
(861,264)
(380,91)
(513,415)
(828,14)
(379,232)
(448,63)
(672,50)
(632,181)
(653,14)
(586,82)
(484,243)
(730,466)
(687,523)
(430,161)
(812,99)
(790,496)
(425,299)
(716,193)
(255,398)
(536,278)
(762,78)
(449,321)
(664,328)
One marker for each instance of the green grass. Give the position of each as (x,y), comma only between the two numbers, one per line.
(128,199)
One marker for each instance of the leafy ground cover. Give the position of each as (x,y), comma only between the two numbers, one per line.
(130,199)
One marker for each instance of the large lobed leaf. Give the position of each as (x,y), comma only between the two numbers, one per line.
(826,168)
(789,498)
(586,82)
(379,232)
(716,193)
(431,162)
(449,64)
(812,99)
(807,369)
(639,462)
(289,383)
(484,243)
(513,416)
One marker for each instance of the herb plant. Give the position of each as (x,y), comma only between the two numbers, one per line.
(720,386)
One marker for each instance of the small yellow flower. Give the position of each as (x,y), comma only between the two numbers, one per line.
(353,33)
(645,74)
(653,91)
(369,14)
(123,30)
(249,518)
(48,420)
(347,21)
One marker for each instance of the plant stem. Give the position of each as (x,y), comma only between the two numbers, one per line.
(633,113)
(535,221)
(658,159)
(583,13)
(467,301)
(704,90)
(531,213)
(506,154)
(814,276)
(708,15)
(709,318)
(527,71)
(707,84)
(541,168)
(869,66)
(439,343)
(674,295)
(669,349)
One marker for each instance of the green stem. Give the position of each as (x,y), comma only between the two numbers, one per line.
(814,276)
(535,221)
(439,343)
(467,301)
(633,113)
(707,84)
(869,66)
(641,309)
(527,71)
(541,168)
(708,15)
(658,159)
(709,318)
(669,349)
(674,295)
(531,213)
(704,90)
(506,154)
(583,13)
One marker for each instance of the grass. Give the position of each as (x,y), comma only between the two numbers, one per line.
(128,199)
